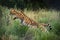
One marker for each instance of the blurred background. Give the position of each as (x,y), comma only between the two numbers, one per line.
(41,11)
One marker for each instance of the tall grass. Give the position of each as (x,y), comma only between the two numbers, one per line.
(13,30)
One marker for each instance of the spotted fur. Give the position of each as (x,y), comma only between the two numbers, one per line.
(25,20)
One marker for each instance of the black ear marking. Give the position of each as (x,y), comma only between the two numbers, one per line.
(14,18)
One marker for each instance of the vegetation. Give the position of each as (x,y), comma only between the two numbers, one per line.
(13,30)
(29,4)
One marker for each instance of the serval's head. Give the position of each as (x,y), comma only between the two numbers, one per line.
(48,26)
(45,27)
(12,12)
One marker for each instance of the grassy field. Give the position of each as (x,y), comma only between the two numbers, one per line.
(12,30)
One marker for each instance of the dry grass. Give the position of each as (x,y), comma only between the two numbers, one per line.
(15,31)
(42,15)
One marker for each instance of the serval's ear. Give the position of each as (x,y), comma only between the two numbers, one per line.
(14,18)
(50,27)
